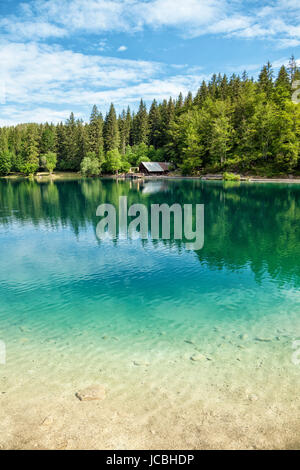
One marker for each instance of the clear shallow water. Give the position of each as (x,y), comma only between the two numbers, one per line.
(75,310)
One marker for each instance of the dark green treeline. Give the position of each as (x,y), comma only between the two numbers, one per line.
(234,123)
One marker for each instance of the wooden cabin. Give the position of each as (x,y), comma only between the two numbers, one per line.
(155,168)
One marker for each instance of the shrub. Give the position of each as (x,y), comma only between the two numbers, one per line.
(231,177)
(90,166)
(49,161)
(113,161)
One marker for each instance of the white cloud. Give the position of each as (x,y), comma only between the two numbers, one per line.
(244,19)
(193,13)
(20,30)
(43,79)
(33,72)
(11,115)
(288,43)
(48,81)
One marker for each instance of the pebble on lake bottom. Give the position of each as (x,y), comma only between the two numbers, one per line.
(197,357)
(141,363)
(95,392)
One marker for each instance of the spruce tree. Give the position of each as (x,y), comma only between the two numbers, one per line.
(154,124)
(95,131)
(265,80)
(48,139)
(29,162)
(141,125)
(111,130)
(179,102)
(293,69)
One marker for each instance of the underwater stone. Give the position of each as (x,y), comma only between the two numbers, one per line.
(48,421)
(252,397)
(95,392)
(141,363)
(189,341)
(197,357)
(244,336)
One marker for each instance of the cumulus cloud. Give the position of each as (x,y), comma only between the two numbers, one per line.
(47,81)
(43,79)
(244,19)
(11,115)
(34,72)
(22,30)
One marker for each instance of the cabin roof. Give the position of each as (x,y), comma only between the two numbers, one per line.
(156,167)
(165,165)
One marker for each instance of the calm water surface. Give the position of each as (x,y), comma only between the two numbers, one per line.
(71,303)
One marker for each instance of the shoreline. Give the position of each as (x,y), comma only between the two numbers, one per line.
(206,177)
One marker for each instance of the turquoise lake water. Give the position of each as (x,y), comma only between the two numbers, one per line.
(70,302)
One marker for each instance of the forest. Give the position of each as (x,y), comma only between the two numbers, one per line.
(231,124)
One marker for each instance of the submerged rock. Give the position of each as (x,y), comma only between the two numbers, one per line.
(189,341)
(95,392)
(252,397)
(197,357)
(243,336)
(141,363)
(47,421)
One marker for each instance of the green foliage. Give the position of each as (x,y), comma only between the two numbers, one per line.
(231,177)
(48,139)
(90,165)
(5,162)
(29,157)
(141,125)
(113,161)
(140,153)
(49,161)
(125,165)
(111,130)
(95,131)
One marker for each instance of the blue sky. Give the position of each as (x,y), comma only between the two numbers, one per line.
(58,56)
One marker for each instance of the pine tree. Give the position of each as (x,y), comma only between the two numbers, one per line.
(266,80)
(111,130)
(223,89)
(154,123)
(95,131)
(292,69)
(188,102)
(179,102)
(29,162)
(212,87)
(141,125)
(3,141)
(69,161)
(282,90)
(48,139)
(221,139)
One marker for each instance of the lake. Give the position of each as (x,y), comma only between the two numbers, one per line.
(196,349)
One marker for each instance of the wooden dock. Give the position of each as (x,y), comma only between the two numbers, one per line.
(135,175)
